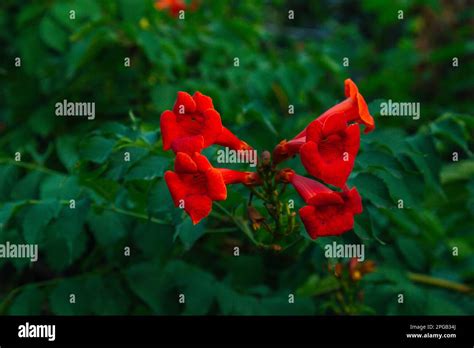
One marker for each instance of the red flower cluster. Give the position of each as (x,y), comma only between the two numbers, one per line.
(191,126)
(327,148)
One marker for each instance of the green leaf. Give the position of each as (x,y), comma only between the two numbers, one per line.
(189,233)
(412,252)
(69,225)
(60,187)
(148,168)
(151,45)
(452,130)
(146,281)
(380,160)
(8,178)
(67,151)
(163,96)
(108,295)
(397,188)
(159,198)
(7,211)
(426,158)
(96,149)
(153,240)
(28,302)
(463,170)
(437,304)
(60,297)
(373,189)
(315,286)
(198,284)
(27,187)
(36,218)
(108,227)
(131,10)
(52,34)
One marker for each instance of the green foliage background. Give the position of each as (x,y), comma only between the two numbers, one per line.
(282,61)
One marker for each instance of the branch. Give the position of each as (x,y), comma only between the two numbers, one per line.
(441,283)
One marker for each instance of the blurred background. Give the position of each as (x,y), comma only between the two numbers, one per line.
(406,51)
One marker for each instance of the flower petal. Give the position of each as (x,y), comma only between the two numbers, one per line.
(228,139)
(286,149)
(184,104)
(350,89)
(198,207)
(330,157)
(203,102)
(354,201)
(188,145)
(315,193)
(176,187)
(202,162)
(170,129)
(184,163)
(331,220)
(216,188)
(364,114)
(212,126)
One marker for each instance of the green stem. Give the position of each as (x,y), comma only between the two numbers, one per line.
(30,166)
(111,208)
(441,283)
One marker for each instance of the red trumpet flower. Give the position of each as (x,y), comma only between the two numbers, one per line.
(328,212)
(194,124)
(286,149)
(330,149)
(226,138)
(329,144)
(194,184)
(235,177)
(353,109)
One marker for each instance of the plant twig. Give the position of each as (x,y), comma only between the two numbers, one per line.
(441,283)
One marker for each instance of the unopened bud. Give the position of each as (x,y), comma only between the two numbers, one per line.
(266,158)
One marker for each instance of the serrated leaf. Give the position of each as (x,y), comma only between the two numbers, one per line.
(67,151)
(146,281)
(372,188)
(96,149)
(148,168)
(37,217)
(412,252)
(108,227)
(189,233)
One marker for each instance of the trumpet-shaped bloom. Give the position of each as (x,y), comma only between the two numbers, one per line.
(194,124)
(330,149)
(327,213)
(194,184)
